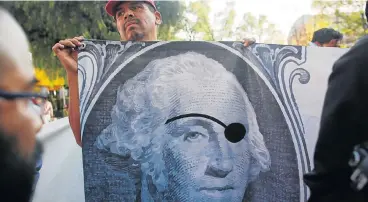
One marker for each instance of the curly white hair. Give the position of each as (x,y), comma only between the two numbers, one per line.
(140,112)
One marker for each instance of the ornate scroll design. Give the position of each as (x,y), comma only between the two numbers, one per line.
(272,61)
(98,58)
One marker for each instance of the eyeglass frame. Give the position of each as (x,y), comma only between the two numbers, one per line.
(21,95)
(18,95)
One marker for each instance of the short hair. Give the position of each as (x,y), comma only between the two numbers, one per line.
(325,35)
(139,114)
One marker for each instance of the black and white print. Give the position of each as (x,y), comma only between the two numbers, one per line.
(193,121)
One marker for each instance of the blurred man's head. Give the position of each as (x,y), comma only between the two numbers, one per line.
(327,37)
(135,20)
(18,124)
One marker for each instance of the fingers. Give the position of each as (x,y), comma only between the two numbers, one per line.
(248,41)
(68,43)
(74,42)
(57,47)
(79,38)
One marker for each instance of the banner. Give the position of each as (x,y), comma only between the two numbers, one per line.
(200,121)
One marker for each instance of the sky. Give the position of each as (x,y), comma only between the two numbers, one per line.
(283,13)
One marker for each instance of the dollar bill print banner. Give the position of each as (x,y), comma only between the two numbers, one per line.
(199,121)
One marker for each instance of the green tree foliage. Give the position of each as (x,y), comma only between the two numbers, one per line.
(347,16)
(172,14)
(47,22)
(198,22)
(199,26)
(226,21)
(260,28)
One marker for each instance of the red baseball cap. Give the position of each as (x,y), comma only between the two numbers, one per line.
(111,4)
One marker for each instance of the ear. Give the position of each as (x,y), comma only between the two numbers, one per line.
(335,41)
(158,17)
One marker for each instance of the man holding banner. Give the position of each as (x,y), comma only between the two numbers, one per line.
(135,21)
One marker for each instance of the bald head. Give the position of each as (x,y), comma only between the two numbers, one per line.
(14,47)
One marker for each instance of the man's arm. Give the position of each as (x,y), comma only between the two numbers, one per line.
(74,112)
(64,50)
(344,124)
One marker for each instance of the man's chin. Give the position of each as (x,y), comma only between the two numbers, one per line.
(135,36)
(17,171)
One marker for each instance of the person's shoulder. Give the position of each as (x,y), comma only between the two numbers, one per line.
(358,52)
(354,60)
(362,42)
(363,39)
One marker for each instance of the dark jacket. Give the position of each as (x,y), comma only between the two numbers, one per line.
(344,124)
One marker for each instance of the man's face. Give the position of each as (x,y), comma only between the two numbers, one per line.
(136,21)
(332,43)
(202,165)
(17,119)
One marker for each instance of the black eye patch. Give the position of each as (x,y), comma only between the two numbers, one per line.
(234,132)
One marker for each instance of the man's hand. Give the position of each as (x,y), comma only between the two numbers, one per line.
(65,50)
(248,41)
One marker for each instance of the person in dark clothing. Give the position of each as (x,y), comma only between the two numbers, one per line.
(344,124)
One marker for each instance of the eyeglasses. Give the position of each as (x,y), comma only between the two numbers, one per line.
(26,95)
(12,96)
